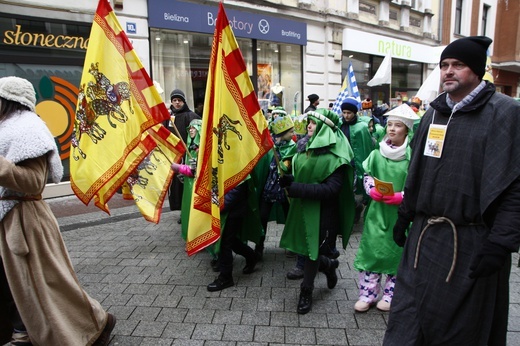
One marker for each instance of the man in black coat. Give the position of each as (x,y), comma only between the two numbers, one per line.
(182,116)
(462,194)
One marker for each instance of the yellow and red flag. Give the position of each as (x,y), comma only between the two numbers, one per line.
(148,184)
(234,136)
(117,104)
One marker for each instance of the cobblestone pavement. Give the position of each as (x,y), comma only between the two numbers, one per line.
(141,273)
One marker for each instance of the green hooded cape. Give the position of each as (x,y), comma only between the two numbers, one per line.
(302,228)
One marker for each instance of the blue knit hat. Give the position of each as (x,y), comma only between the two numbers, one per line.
(350,104)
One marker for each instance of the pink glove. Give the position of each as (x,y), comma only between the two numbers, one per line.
(182,169)
(186,170)
(396,199)
(376,195)
(175,167)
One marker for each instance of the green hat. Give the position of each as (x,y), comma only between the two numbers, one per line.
(300,124)
(281,124)
(196,123)
(279,110)
(328,135)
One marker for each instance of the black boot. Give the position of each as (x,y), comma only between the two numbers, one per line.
(259,248)
(330,273)
(220,283)
(251,262)
(305,302)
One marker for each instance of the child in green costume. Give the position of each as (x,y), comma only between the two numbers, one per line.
(378,254)
(322,201)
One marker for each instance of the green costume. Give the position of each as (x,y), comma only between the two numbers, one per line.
(361,143)
(313,165)
(378,252)
(379,133)
(193,148)
(370,123)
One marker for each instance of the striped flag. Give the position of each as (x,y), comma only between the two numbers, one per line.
(117,105)
(349,88)
(234,136)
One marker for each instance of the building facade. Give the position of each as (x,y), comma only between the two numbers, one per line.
(292,48)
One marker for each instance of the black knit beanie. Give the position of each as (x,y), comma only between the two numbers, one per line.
(471,51)
(313,98)
(177,93)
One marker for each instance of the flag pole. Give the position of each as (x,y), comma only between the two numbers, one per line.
(390,84)
(182,141)
(280,172)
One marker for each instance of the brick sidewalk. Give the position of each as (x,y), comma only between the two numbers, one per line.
(140,272)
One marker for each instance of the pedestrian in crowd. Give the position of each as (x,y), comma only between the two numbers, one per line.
(361,142)
(181,116)
(322,201)
(463,195)
(282,129)
(40,294)
(187,171)
(296,272)
(378,254)
(314,101)
(371,129)
(331,105)
(234,236)
(199,107)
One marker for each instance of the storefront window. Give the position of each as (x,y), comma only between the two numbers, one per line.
(406,77)
(279,79)
(180,60)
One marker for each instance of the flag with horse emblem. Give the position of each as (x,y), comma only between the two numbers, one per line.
(148,184)
(117,104)
(234,136)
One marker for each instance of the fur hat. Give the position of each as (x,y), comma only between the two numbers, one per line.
(179,94)
(313,98)
(470,50)
(350,104)
(18,90)
(404,114)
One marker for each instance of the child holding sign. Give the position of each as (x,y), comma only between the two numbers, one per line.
(385,173)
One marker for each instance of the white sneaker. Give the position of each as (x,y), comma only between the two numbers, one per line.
(383,305)
(362,306)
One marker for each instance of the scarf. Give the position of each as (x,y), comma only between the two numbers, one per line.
(392,152)
(23,136)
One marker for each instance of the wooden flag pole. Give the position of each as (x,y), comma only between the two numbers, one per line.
(182,141)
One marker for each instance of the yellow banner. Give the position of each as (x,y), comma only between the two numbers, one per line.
(117,103)
(149,183)
(234,136)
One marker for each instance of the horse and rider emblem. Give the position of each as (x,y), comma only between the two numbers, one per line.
(98,98)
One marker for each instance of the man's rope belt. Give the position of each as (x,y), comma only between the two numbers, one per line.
(432,221)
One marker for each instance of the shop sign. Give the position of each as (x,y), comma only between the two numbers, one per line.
(186,16)
(364,42)
(22,37)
